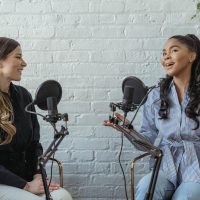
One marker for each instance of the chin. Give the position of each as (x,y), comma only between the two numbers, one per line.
(17,79)
(170,73)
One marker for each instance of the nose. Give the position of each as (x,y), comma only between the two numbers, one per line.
(24,64)
(166,56)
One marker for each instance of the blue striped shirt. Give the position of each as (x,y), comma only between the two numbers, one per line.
(180,143)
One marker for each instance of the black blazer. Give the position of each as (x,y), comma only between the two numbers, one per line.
(18,160)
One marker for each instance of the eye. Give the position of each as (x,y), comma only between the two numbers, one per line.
(174,50)
(164,53)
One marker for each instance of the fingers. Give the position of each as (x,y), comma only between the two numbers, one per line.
(52,188)
(108,123)
(53,185)
(36,186)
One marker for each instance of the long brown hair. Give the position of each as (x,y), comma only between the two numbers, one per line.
(193,107)
(7,129)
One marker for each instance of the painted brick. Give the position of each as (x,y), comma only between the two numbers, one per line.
(89,47)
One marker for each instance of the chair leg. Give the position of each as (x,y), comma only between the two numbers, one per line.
(60,168)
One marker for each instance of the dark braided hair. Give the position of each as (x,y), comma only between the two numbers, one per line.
(193,107)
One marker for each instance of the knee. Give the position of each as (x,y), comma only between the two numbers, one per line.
(142,187)
(61,194)
(163,190)
(187,191)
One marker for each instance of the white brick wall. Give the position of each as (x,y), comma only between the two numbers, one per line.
(89,46)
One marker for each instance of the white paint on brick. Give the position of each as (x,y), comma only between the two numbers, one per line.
(90,46)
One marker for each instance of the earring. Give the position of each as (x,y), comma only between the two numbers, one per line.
(190,60)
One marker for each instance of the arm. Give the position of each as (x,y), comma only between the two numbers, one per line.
(35,183)
(148,131)
(35,148)
(11,179)
(148,127)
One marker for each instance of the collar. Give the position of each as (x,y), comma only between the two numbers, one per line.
(13,89)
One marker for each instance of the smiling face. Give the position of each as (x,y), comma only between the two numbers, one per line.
(11,67)
(177,59)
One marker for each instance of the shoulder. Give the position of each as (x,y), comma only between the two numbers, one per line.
(152,105)
(154,95)
(21,91)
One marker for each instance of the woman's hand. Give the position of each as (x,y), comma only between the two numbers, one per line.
(120,118)
(36,185)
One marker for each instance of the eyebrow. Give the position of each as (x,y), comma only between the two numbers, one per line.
(172,47)
(18,54)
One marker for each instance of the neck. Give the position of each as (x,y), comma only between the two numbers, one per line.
(4,85)
(181,86)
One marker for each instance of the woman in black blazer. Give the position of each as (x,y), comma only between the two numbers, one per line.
(19,133)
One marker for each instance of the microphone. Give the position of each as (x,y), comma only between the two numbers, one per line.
(135,94)
(139,95)
(52,105)
(52,109)
(47,97)
(127,99)
(49,93)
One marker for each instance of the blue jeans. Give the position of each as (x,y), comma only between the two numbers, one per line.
(165,190)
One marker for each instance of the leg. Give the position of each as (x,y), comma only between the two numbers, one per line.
(163,190)
(13,193)
(60,194)
(187,191)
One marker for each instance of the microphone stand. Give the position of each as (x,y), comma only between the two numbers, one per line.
(152,150)
(58,137)
(47,97)
(138,140)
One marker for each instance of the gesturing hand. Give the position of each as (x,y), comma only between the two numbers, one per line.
(120,118)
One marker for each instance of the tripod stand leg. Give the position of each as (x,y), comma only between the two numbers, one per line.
(154,177)
(44,176)
(132,173)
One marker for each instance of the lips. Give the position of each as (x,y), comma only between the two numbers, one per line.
(20,70)
(169,64)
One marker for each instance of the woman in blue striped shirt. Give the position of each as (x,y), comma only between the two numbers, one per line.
(172,111)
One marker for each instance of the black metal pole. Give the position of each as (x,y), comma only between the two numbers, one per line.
(44,176)
(154,176)
(46,156)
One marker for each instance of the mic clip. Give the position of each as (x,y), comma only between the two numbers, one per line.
(120,106)
(129,126)
(127,108)
(53,118)
(116,121)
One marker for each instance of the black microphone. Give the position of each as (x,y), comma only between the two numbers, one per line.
(49,89)
(139,95)
(135,94)
(52,109)
(127,99)
(52,106)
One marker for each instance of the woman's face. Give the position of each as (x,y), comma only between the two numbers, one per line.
(11,67)
(177,58)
